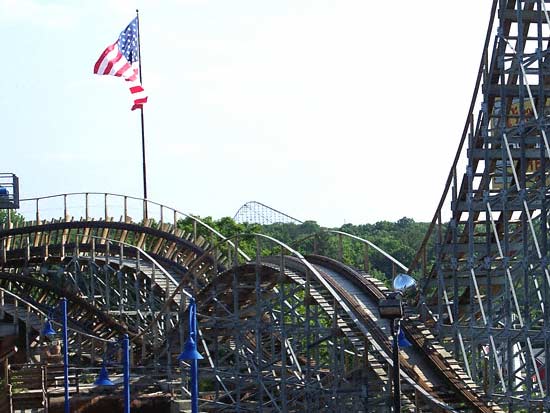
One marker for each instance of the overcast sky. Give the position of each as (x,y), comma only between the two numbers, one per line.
(330,110)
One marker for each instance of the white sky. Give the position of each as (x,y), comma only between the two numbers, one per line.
(331,110)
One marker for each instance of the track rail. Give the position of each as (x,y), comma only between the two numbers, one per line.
(368,323)
(428,369)
(448,372)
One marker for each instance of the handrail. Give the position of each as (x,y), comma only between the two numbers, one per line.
(348,310)
(116,242)
(357,238)
(128,197)
(377,248)
(160,267)
(38,310)
(141,251)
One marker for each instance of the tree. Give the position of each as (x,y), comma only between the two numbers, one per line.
(400,239)
(16,218)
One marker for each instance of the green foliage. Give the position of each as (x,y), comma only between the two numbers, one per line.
(16,218)
(400,239)
(225,226)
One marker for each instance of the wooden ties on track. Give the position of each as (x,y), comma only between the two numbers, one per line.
(61,238)
(457,387)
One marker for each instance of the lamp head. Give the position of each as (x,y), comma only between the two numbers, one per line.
(403,282)
(402,340)
(103,378)
(48,329)
(190,351)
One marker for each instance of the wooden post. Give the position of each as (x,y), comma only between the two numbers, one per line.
(27,249)
(3,251)
(87,208)
(106,213)
(37,213)
(65,207)
(6,372)
(367,263)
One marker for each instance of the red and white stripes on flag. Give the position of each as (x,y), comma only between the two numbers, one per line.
(113,63)
(121,59)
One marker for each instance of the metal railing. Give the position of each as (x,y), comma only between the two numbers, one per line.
(340,248)
(105,206)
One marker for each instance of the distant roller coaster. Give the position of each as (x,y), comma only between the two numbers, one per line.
(258,213)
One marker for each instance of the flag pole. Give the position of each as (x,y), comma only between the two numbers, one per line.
(142,125)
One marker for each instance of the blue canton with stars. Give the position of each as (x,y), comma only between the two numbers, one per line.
(128,42)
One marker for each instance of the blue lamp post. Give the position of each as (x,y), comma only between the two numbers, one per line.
(391,308)
(402,340)
(126,373)
(190,353)
(401,284)
(103,377)
(49,331)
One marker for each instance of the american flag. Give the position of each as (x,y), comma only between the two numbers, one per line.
(121,59)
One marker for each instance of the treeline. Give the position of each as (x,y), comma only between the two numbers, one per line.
(15,217)
(400,239)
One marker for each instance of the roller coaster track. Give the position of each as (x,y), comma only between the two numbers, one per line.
(487,293)
(245,318)
(439,371)
(241,303)
(293,333)
(431,371)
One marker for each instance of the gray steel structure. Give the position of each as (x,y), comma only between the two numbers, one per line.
(255,212)
(290,333)
(488,292)
(279,331)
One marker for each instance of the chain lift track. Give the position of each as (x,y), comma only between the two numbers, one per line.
(488,292)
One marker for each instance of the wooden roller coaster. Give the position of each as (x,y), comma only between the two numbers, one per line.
(284,332)
(304,329)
